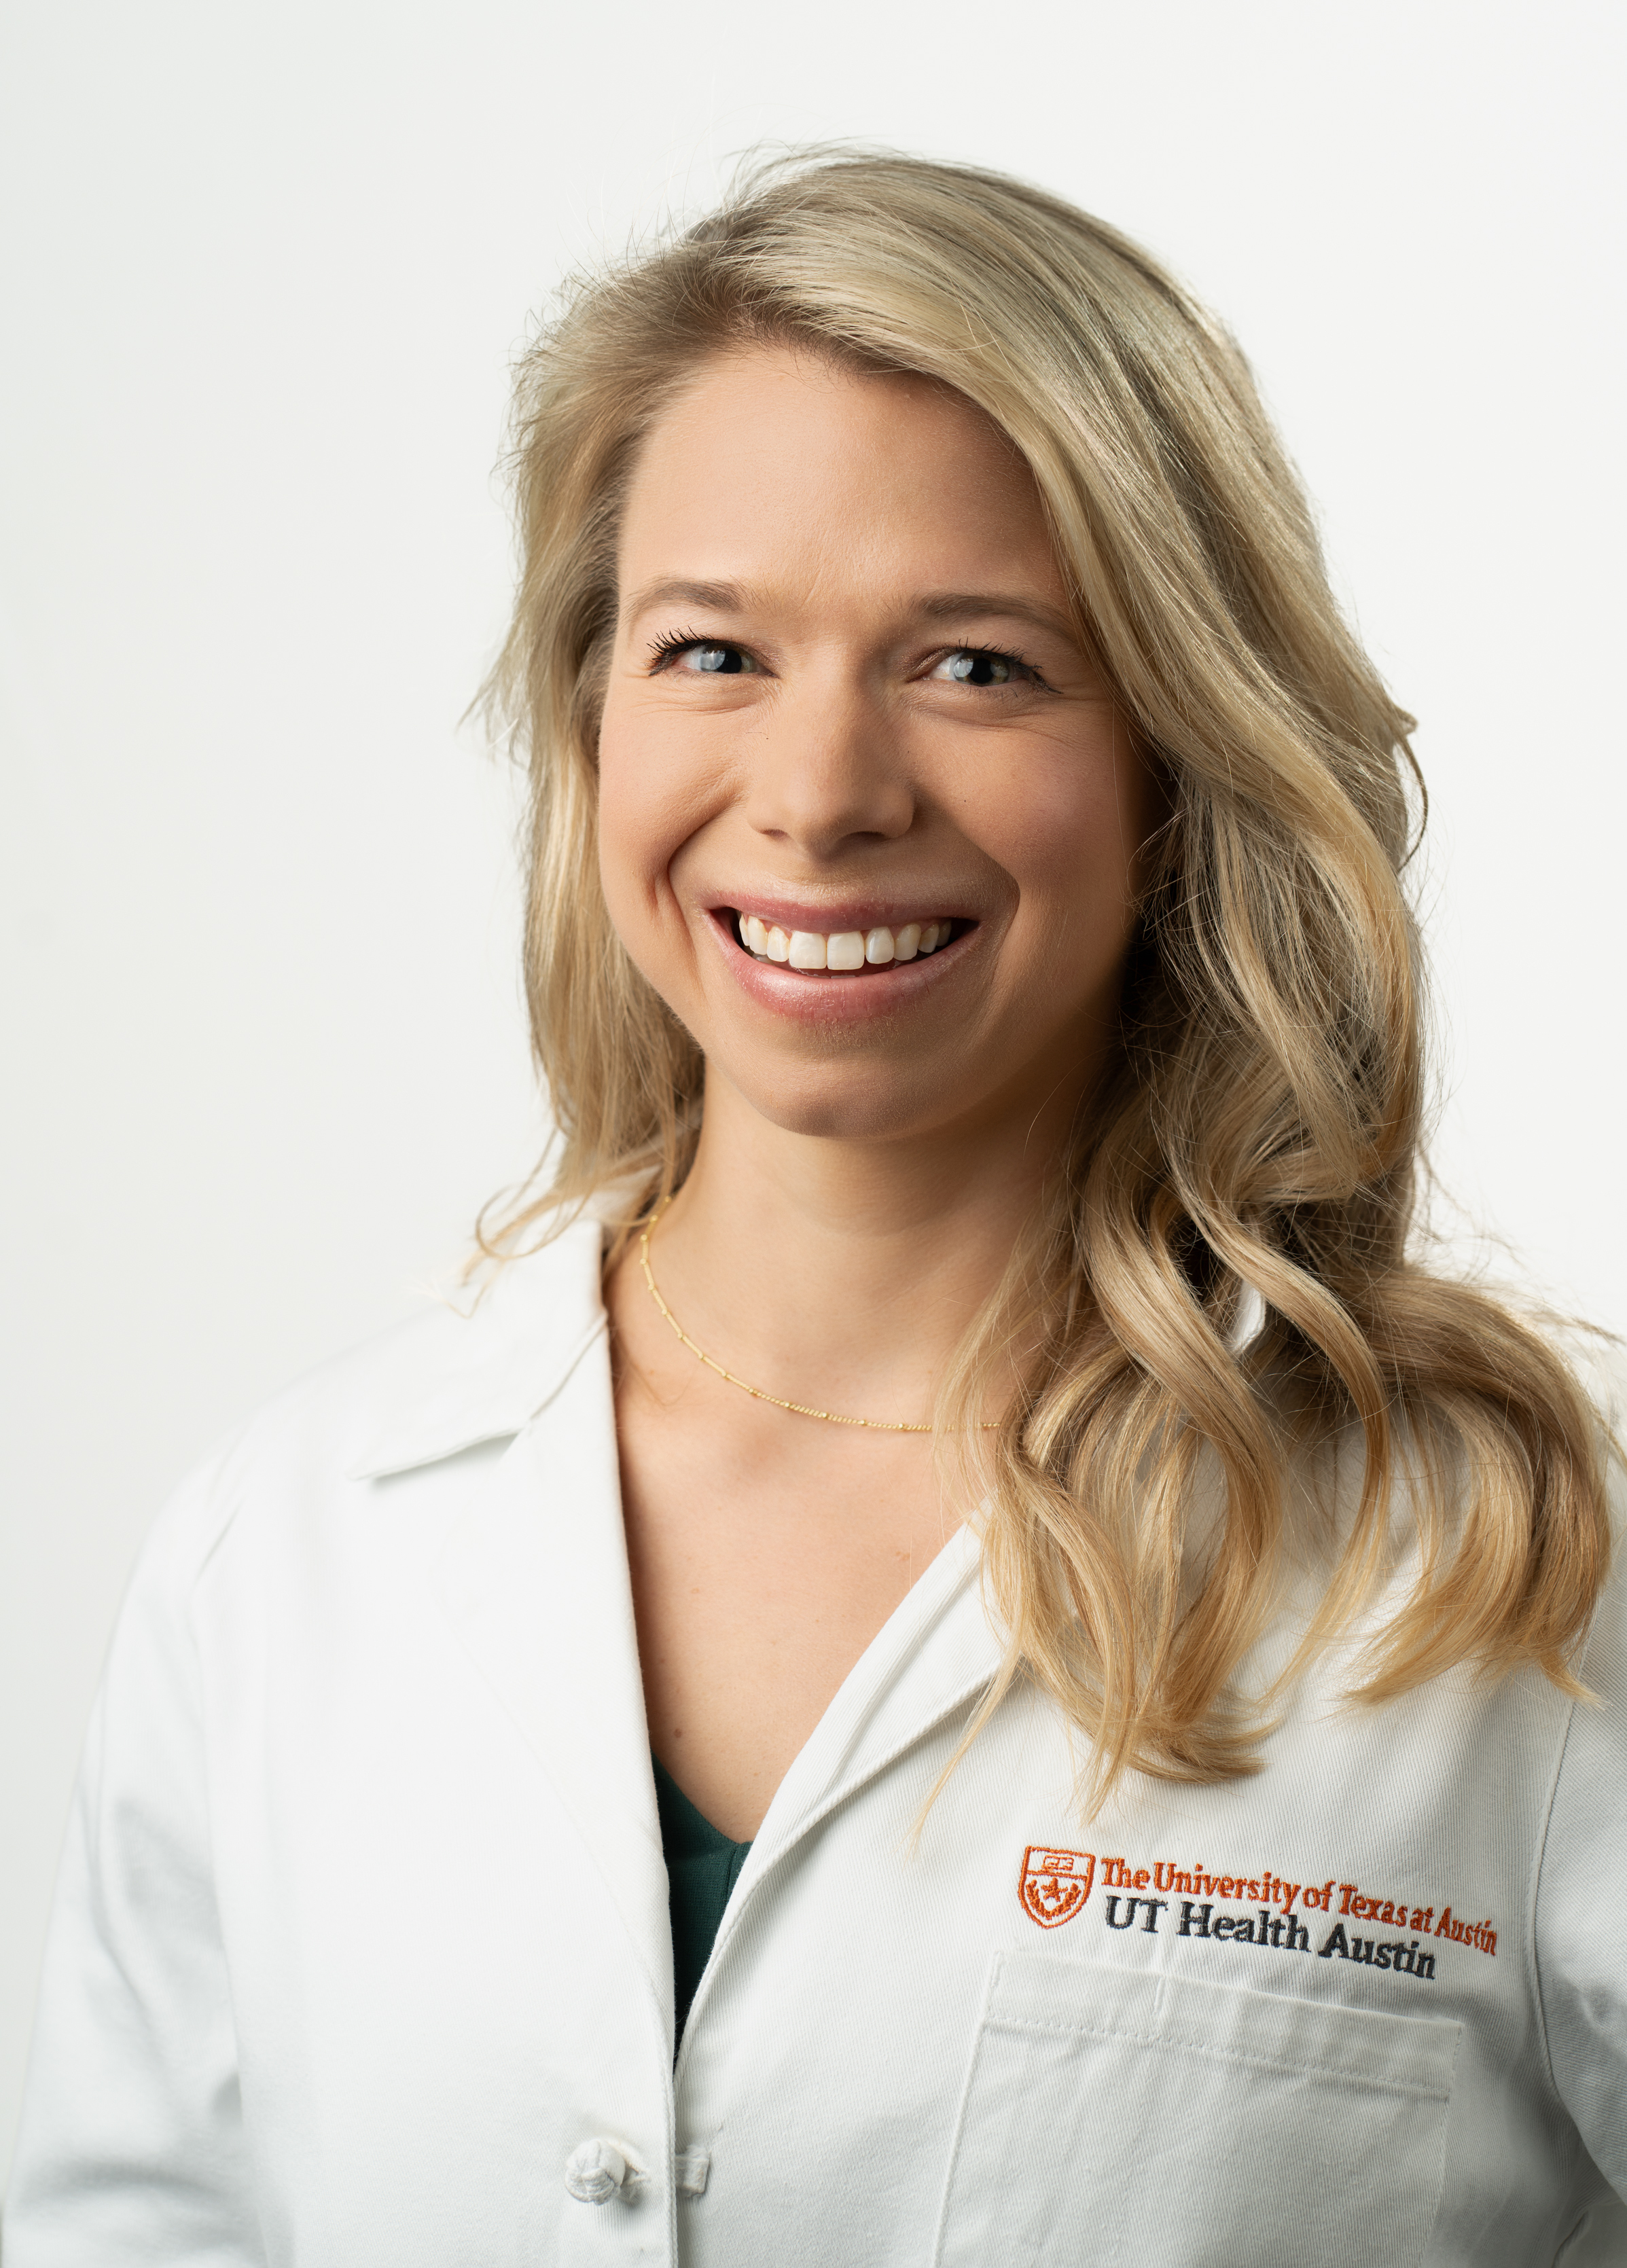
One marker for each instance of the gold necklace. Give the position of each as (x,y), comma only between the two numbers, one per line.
(757,1393)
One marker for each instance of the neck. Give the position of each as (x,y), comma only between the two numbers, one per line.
(843,1273)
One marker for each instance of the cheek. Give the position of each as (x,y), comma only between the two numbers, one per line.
(1066,823)
(657,791)
(628,844)
(643,821)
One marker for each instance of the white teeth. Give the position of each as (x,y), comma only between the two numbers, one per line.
(845,949)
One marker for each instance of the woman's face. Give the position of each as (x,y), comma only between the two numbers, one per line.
(847,711)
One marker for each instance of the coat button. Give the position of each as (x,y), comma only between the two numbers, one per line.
(595,2172)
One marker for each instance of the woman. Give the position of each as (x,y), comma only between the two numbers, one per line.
(957,1580)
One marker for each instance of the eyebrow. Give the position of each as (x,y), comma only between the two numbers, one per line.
(952,605)
(728,598)
(936,606)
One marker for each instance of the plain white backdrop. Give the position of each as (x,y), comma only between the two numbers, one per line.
(265,271)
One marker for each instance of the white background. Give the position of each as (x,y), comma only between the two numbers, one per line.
(266,266)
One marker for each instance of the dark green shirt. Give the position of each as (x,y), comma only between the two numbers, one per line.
(703,1866)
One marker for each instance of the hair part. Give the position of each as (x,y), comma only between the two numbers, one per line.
(1258,1136)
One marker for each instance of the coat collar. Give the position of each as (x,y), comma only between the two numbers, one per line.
(533,1571)
(484,1365)
(534,1579)
(534,1576)
(936,1654)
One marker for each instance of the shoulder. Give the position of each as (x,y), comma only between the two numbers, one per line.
(1598,1364)
(1602,1366)
(1582,1971)
(471,1368)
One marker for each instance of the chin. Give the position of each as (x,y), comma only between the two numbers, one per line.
(826,1106)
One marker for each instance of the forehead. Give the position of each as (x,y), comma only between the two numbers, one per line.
(776,457)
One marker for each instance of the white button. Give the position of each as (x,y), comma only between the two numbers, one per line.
(595,2171)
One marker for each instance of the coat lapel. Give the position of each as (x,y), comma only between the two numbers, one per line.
(933,1657)
(534,1577)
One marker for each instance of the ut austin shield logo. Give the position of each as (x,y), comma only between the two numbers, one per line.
(1055,1883)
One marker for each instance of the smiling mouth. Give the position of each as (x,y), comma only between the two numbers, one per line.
(844,951)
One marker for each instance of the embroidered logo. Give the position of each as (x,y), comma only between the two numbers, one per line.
(1191,1898)
(1055,1883)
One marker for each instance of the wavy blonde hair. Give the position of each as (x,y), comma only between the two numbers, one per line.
(1256,1143)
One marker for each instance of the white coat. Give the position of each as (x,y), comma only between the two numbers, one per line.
(361,1956)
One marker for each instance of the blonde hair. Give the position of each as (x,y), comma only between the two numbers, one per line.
(1257,1139)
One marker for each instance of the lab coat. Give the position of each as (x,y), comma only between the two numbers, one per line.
(361,1955)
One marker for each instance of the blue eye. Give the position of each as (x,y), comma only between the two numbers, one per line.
(704,657)
(973,666)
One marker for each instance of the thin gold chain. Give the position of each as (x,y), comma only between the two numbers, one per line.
(757,1393)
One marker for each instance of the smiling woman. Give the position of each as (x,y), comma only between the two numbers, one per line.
(718,1756)
(880,763)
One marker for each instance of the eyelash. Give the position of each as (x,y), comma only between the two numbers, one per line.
(676,642)
(671,643)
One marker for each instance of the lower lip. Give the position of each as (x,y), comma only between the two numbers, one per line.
(858,996)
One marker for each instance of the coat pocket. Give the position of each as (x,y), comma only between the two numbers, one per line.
(1128,2119)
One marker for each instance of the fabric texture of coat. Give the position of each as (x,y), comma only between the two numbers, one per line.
(361,1954)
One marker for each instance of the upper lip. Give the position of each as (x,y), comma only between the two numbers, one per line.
(843,914)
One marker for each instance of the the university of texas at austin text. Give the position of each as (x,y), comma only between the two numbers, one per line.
(1055,1884)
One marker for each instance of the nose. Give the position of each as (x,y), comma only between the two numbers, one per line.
(826,772)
